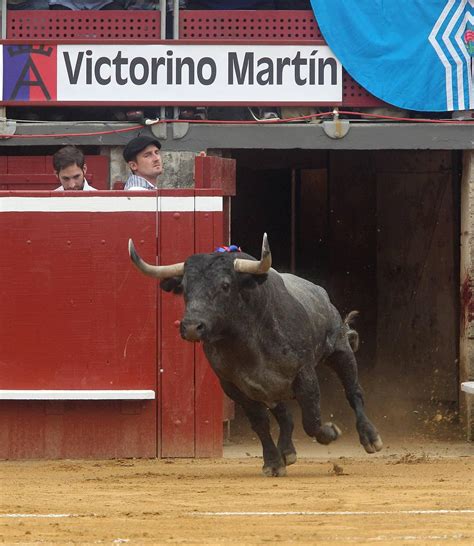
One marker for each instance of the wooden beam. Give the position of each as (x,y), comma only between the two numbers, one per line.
(466,348)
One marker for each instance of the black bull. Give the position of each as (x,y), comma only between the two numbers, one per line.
(264,333)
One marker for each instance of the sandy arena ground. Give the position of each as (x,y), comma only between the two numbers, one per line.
(414,492)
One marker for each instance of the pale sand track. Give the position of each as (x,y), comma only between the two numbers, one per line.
(163,501)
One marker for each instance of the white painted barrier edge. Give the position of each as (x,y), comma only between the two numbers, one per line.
(31,394)
(100,203)
(468,386)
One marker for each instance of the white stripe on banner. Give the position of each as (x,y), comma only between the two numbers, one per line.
(459,40)
(457,59)
(111,204)
(447,66)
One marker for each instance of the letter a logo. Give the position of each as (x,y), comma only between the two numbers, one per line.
(29,73)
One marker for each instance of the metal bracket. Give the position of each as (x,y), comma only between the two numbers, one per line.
(7,128)
(337,128)
(159,130)
(180,130)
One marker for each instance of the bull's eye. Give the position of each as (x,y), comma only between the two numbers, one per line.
(225,286)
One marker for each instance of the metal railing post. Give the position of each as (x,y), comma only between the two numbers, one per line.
(175,37)
(3,110)
(162,37)
(175,19)
(4,19)
(163,19)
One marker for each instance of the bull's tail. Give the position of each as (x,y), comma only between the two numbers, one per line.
(352,335)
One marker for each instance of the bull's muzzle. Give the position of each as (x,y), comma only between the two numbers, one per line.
(193,330)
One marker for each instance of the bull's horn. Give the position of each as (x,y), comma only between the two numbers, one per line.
(157,271)
(252,266)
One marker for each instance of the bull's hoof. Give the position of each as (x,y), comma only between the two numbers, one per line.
(328,433)
(374,446)
(289,458)
(274,471)
(369,437)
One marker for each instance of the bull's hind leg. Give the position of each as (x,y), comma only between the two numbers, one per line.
(257,414)
(307,394)
(344,364)
(285,443)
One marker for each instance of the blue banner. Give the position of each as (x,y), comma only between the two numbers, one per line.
(414,54)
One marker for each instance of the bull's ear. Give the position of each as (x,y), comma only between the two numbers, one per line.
(173,284)
(250,281)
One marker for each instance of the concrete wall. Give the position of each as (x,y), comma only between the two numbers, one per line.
(178,168)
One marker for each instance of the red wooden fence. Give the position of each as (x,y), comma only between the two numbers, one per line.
(36,172)
(75,315)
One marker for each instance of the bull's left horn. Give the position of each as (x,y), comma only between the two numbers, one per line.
(254,267)
(157,271)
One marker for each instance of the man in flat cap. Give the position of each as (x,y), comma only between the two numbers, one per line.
(144,159)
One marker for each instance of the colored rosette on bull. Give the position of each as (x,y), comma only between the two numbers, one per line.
(231,248)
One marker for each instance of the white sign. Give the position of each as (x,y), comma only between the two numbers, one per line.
(198,73)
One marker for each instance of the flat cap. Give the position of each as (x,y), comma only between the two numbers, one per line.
(137,144)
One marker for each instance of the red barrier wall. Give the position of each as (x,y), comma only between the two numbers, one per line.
(75,314)
(90,24)
(35,172)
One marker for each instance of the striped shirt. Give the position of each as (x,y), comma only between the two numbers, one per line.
(135,182)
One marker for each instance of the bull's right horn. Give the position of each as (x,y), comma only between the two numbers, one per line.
(252,266)
(157,271)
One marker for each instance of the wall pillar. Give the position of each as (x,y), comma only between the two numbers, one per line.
(466,349)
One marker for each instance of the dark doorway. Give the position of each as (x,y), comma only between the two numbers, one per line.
(379,230)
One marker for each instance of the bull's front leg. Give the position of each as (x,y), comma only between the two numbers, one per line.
(257,414)
(285,441)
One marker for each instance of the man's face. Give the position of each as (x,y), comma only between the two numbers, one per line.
(72,177)
(148,163)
